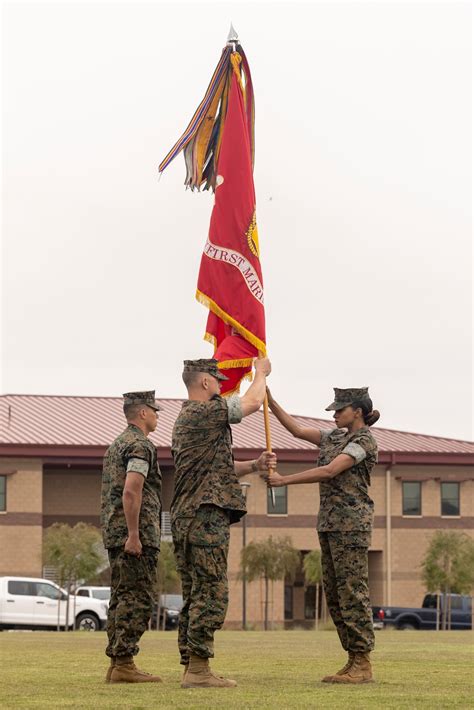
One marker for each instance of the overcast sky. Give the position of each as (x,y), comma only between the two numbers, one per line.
(363,181)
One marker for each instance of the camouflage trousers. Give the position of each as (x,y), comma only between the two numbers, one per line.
(131,599)
(201,545)
(344,561)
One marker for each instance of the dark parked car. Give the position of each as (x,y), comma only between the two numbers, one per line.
(170,606)
(404,618)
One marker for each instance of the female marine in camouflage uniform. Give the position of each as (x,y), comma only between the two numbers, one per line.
(347,457)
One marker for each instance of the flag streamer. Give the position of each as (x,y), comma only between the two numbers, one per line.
(200,112)
(202,138)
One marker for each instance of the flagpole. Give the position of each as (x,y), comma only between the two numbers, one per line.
(232,39)
(268,435)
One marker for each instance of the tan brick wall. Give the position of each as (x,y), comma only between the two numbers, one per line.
(377,490)
(24,486)
(21,550)
(76,492)
(467,498)
(72,492)
(408,550)
(21,544)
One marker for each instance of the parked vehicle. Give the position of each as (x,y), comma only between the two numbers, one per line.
(170,606)
(429,616)
(378,623)
(28,602)
(102,593)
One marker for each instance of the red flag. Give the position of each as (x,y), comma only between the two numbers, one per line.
(230,280)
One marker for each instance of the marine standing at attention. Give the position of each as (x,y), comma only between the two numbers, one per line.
(347,456)
(130,520)
(207,500)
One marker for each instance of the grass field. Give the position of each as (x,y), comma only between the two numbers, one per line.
(274,670)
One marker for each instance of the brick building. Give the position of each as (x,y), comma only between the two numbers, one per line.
(51,452)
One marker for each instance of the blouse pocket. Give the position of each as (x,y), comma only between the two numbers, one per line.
(210,527)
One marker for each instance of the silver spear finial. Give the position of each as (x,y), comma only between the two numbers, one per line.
(232,37)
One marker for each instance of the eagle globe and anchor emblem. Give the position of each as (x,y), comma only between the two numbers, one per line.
(252,232)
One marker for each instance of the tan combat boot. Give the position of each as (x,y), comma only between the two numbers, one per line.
(359,672)
(125,671)
(199,675)
(343,670)
(110,669)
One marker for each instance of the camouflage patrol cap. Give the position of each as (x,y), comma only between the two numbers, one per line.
(204,365)
(343,398)
(147,398)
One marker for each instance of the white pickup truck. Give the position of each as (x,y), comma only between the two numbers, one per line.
(31,603)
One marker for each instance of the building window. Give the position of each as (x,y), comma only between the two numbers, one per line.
(3,493)
(450,499)
(411,498)
(281,501)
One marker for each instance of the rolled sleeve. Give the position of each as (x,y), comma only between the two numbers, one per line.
(138,466)
(234,409)
(356,451)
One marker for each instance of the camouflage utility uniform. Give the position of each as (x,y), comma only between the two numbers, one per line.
(131,599)
(344,530)
(207,500)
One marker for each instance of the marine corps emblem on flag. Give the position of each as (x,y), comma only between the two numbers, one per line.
(252,236)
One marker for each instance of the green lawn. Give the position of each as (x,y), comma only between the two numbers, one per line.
(277,669)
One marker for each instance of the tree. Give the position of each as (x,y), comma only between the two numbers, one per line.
(448,567)
(76,554)
(269,560)
(313,574)
(167,578)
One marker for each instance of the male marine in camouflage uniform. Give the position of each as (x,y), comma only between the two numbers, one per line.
(207,500)
(130,518)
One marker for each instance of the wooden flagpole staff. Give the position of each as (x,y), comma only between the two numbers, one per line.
(268,435)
